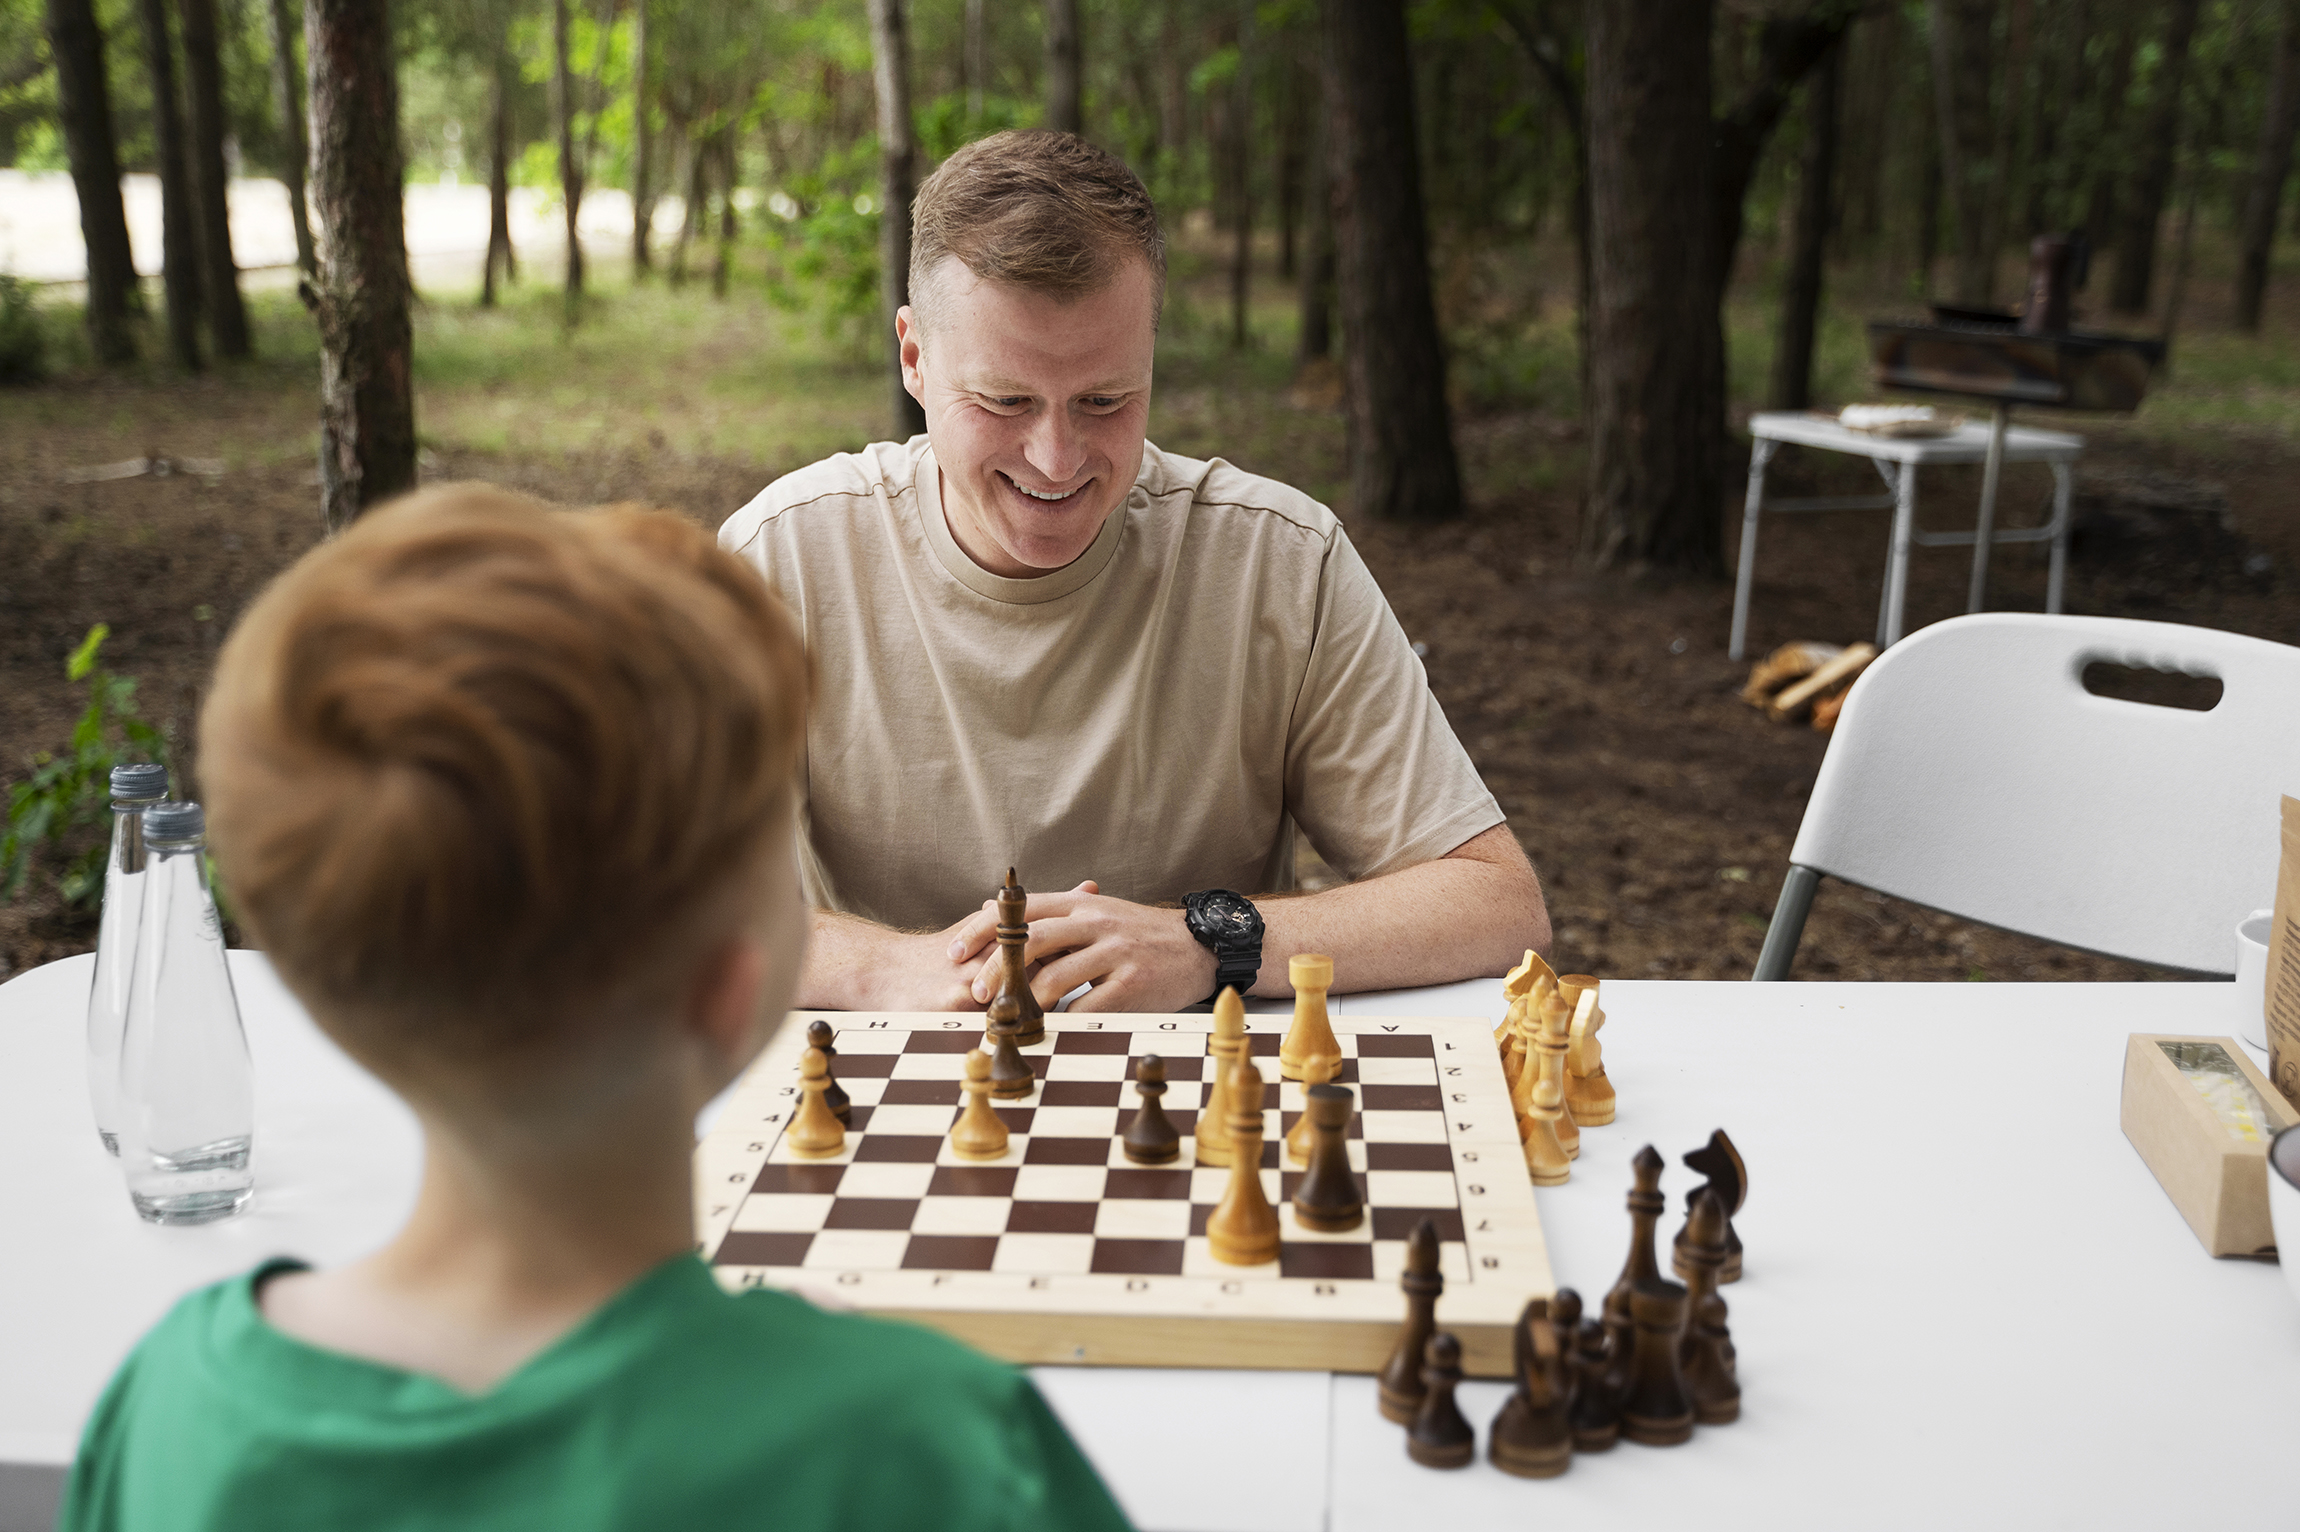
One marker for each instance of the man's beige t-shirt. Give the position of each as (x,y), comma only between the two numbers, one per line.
(1216,669)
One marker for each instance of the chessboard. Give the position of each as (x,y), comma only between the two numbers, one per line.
(1064,1251)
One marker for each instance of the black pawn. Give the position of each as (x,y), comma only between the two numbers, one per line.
(819,1035)
(1439,1436)
(1328,1199)
(1565,1318)
(1657,1409)
(1150,1137)
(1401,1375)
(1532,1437)
(1010,1076)
(1596,1409)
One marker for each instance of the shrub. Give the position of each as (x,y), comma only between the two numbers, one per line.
(23,341)
(63,809)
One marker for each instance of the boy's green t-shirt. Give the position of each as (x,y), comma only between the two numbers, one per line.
(676,1405)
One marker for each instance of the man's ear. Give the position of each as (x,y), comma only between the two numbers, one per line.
(723,1002)
(906,335)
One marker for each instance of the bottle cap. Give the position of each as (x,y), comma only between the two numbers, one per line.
(174,822)
(145,779)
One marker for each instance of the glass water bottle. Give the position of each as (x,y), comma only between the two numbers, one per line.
(134,789)
(187,1098)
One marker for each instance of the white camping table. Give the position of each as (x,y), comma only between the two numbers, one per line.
(1966,1301)
(1897,460)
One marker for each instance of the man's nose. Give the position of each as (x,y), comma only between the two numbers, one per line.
(1055,446)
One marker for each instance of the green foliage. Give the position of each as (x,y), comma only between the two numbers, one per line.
(822,246)
(23,339)
(63,808)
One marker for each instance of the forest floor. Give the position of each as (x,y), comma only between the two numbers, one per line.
(1601,708)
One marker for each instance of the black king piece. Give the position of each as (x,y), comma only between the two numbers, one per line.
(1013,1004)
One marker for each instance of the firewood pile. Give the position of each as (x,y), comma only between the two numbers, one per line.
(1806,681)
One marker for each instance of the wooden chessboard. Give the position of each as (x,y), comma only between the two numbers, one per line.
(1064,1251)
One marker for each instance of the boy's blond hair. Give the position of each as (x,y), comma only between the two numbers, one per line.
(478,770)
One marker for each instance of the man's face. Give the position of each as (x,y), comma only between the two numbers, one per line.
(1037,407)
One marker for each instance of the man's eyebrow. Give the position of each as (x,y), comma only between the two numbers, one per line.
(1008,387)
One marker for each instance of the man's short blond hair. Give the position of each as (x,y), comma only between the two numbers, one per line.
(479,770)
(1039,210)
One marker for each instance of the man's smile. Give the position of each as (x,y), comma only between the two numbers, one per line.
(1048,497)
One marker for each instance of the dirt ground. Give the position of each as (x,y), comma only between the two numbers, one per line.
(1601,708)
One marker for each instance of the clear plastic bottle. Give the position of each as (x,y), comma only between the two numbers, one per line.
(187,1097)
(134,789)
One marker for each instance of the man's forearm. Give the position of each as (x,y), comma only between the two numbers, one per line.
(844,953)
(1474,911)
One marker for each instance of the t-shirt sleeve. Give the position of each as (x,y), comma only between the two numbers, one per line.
(1374,774)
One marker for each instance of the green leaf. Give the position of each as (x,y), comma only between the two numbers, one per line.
(84,658)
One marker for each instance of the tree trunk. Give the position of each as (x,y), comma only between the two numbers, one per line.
(1292,129)
(1064,83)
(1929,198)
(1964,61)
(691,200)
(723,261)
(1401,433)
(211,187)
(1239,173)
(2151,179)
(890,75)
(570,173)
(1656,413)
(642,149)
(2271,165)
(287,99)
(2004,155)
(84,102)
(367,398)
(179,248)
(1808,242)
(976,61)
(2108,143)
(499,252)
(1317,276)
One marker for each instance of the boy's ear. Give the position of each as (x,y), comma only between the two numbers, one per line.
(723,1003)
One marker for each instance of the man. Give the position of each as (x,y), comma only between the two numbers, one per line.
(1045,643)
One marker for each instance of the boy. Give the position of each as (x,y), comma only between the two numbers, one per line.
(507,795)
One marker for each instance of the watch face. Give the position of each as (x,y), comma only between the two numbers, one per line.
(1223,917)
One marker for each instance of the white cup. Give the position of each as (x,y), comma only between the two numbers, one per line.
(2252,977)
(2284,1201)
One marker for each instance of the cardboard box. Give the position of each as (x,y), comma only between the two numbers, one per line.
(2201,1114)
(2281,1007)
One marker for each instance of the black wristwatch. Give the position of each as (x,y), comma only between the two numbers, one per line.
(1227,925)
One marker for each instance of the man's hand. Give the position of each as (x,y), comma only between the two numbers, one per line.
(1135,957)
(853,964)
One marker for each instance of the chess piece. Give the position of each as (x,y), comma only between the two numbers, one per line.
(1556,1037)
(1729,1178)
(1588,1093)
(1328,1199)
(1596,1408)
(1565,1319)
(1013,1000)
(1243,1228)
(1312,1035)
(1706,1353)
(1520,983)
(1546,1160)
(819,1037)
(814,1133)
(1645,1208)
(1299,1138)
(1401,1375)
(1150,1137)
(979,1133)
(1439,1436)
(1532,1437)
(1227,1045)
(1655,1408)
(1011,1078)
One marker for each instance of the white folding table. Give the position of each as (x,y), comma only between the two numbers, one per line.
(1966,1300)
(1897,460)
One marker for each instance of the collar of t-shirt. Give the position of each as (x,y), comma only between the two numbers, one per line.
(1076,575)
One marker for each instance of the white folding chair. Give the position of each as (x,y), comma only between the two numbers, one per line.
(1971,772)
